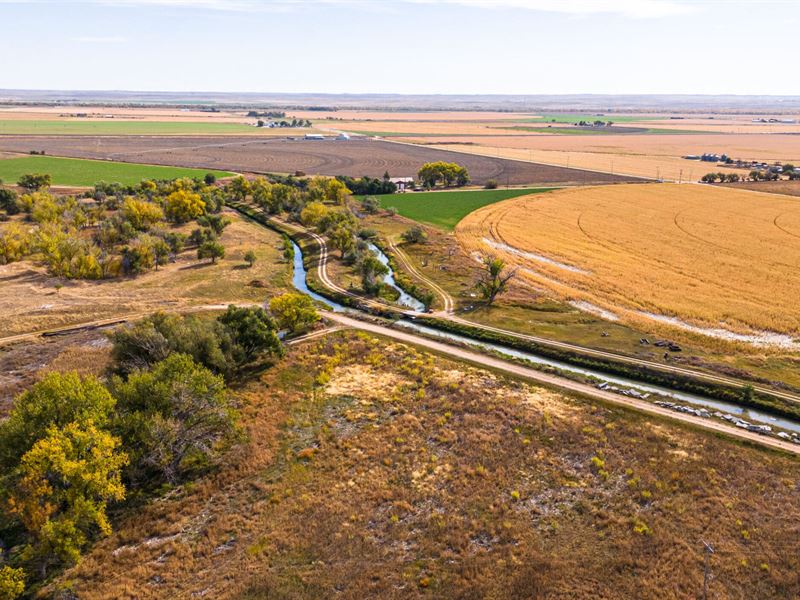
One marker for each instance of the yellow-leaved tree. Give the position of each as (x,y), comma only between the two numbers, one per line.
(63,486)
(182,206)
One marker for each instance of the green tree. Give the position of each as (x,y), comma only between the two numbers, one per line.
(250,258)
(35,181)
(217,223)
(748,394)
(176,417)
(62,487)
(343,238)
(433,173)
(495,279)
(371,205)
(161,252)
(211,250)
(293,311)
(8,201)
(253,332)
(210,179)
(372,271)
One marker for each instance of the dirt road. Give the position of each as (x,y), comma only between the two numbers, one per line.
(517,370)
(447,313)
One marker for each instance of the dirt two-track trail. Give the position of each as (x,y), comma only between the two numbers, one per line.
(583,389)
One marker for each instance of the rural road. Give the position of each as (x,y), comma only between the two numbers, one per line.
(517,370)
(449,304)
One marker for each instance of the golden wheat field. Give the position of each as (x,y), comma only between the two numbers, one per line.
(651,156)
(712,261)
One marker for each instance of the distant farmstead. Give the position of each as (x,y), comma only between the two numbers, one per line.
(402,183)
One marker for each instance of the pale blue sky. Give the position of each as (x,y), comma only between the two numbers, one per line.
(403,46)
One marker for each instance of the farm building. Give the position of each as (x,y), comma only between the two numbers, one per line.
(402,183)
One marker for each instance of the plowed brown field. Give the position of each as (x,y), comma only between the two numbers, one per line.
(356,157)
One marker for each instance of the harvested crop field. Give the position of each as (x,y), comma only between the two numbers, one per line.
(708,261)
(652,156)
(246,154)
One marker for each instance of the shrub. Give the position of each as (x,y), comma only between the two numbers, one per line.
(415,235)
(12,583)
(491,184)
(250,258)
(34,181)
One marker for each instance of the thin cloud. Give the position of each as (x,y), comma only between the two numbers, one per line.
(638,9)
(89,39)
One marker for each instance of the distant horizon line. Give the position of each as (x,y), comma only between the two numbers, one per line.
(398,94)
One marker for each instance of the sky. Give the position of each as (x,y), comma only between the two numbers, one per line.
(403,46)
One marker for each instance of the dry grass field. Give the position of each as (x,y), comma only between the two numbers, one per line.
(372,470)
(638,155)
(30,300)
(718,259)
(784,187)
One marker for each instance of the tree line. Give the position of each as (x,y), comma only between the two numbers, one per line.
(112,230)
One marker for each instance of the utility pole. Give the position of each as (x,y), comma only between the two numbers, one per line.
(706,574)
(680,177)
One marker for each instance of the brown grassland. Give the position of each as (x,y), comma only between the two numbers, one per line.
(711,256)
(30,300)
(372,470)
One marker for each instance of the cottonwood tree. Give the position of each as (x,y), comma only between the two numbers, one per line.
(293,311)
(238,187)
(61,490)
(182,206)
(60,465)
(343,238)
(372,271)
(495,278)
(176,417)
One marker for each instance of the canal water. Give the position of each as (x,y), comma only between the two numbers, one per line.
(299,281)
